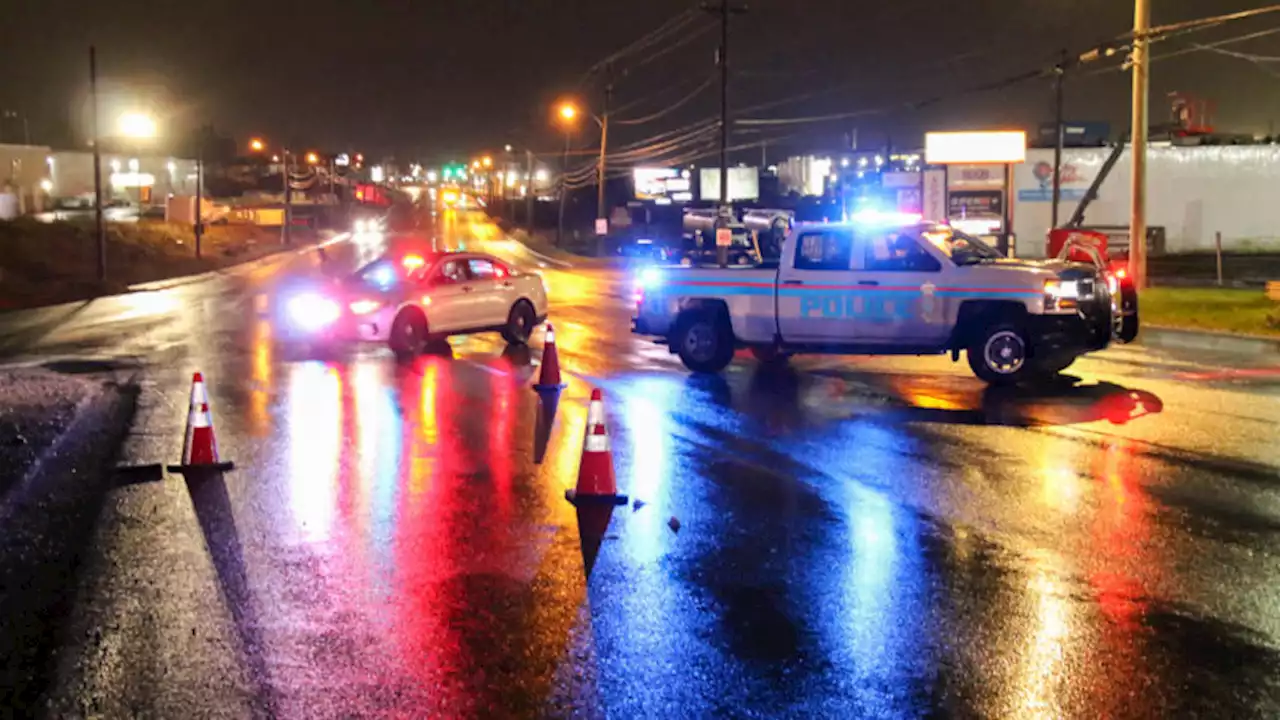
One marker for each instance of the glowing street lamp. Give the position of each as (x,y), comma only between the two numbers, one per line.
(137,125)
(256,145)
(567,112)
(487,161)
(312,158)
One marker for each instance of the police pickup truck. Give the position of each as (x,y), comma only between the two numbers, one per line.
(886,284)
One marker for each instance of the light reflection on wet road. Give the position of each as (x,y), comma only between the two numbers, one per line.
(856,537)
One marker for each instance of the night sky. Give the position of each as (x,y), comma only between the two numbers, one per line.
(446,78)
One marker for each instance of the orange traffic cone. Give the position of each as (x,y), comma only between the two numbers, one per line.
(549,376)
(596,482)
(595,412)
(200,447)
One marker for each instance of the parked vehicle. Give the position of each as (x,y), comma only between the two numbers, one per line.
(885,284)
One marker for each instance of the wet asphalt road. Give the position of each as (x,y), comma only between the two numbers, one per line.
(852,537)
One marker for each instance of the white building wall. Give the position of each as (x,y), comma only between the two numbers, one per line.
(1191,192)
(73,175)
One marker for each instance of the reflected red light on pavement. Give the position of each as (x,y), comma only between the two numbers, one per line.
(315,437)
(260,396)
(502,405)
(1126,572)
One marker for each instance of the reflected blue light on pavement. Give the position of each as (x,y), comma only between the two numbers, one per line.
(315,437)
(647,403)
(886,589)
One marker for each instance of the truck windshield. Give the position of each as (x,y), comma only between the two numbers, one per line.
(961,248)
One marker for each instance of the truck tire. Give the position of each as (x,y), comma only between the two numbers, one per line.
(704,341)
(770,354)
(1129,313)
(1000,354)
(1051,366)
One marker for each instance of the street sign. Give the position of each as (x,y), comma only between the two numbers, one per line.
(602,226)
(724,237)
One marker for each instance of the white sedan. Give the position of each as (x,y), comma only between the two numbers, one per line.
(411,299)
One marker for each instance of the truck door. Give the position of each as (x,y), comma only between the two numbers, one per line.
(814,289)
(899,281)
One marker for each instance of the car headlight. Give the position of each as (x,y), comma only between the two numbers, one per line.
(313,312)
(650,277)
(1061,294)
(364,307)
(359,226)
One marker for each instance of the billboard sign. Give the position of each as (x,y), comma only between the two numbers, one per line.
(662,185)
(1072,183)
(744,183)
(947,148)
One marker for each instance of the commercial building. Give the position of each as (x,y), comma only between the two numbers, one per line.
(35,178)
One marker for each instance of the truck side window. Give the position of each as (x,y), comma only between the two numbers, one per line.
(899,252)
(823,251)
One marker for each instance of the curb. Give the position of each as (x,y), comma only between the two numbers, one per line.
(167,283)
(1165,336)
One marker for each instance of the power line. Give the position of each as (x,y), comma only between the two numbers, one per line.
(669,108)
(1104,50)
(668,28)
(688,38)
(653,95)
(1162,31)
(1242,56)
(1192,49)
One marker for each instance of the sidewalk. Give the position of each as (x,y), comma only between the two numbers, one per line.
(1159,336)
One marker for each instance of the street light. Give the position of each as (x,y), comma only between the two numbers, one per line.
(487,161)
(256,145)
(312,158)
(567,113)
(137,125)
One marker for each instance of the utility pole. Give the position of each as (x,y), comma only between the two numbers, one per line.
(99,229)
(604,140)
(724,10)
(529,193)
(199,226)
(1058,76)
(722,252)
(1138,201)
(286,231)
(564,190)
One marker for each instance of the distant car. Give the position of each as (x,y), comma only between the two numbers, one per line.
(409,299)
(645,250)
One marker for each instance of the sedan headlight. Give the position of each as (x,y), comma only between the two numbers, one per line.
(313,312)
(364,307)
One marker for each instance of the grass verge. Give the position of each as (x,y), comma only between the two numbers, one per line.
(49,263)
(1221,309)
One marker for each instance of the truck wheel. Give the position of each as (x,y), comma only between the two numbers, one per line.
(1000,355)
(1050,366)
(1129,309)
(704,342)
(769,354)
(408,335)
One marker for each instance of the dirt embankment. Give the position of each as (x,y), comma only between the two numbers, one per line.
(47,263)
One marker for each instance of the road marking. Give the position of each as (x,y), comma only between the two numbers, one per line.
(1228,374)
